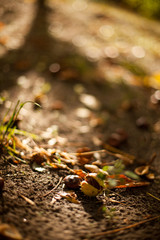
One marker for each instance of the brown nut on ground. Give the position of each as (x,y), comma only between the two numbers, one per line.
(1,183)
(72,181)
(92,185)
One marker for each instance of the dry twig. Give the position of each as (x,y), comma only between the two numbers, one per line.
(126,227)
(27,199)
(60,180)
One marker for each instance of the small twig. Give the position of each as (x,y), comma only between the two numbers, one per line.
(27,199)
(89,153)
(153,196)
(124,228)
(60,180)
(111,151)
(154,155)
(128,158)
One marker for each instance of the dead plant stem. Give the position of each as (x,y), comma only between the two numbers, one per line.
(59,182)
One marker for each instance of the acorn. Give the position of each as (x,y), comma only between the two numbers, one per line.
(92,185)
(1,183)
(72,181)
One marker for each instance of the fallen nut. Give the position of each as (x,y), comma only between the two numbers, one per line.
(92,185)
(1,183)
(72,181)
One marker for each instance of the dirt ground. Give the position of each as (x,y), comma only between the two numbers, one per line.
(55,53)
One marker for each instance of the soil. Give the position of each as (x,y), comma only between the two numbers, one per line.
(53,53)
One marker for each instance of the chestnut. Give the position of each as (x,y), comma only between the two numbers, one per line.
(1,183)
(92,185)
(72,181)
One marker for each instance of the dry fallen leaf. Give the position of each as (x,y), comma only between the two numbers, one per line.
(80,173)
(39,156)
(57,197)
(142,170)
(69,196)
(9,232)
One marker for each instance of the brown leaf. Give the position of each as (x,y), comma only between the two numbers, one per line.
(40,156)
(125,182)
(69,196)
(80,173)
(142,170)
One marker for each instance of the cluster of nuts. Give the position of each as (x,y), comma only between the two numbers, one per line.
(91,185)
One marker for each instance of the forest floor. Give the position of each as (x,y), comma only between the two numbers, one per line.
(94,69)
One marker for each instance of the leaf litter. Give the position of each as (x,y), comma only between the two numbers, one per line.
(88,174)
(39,157)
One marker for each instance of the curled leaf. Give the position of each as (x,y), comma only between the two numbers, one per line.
(142,170)
(69,196)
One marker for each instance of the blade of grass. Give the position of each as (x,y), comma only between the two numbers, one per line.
(14,115)
(11,120)
(153,196)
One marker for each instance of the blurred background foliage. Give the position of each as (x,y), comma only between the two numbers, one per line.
(147,8)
